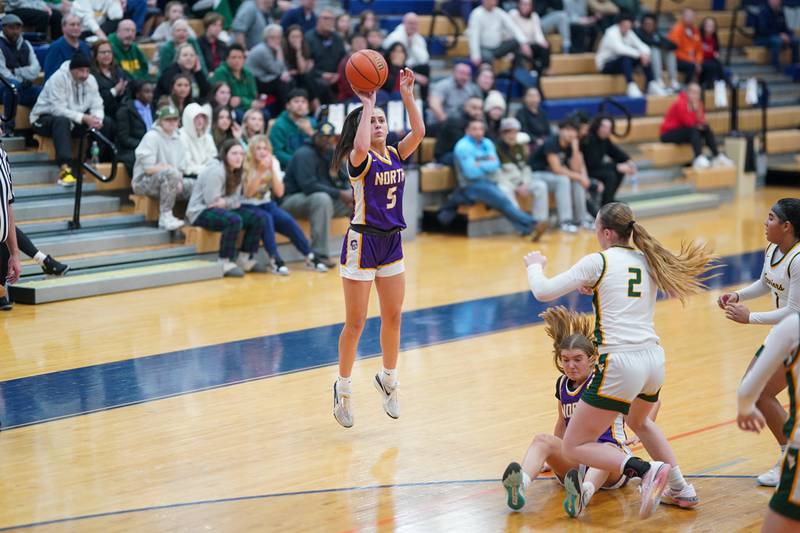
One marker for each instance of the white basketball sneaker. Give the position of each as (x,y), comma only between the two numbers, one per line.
(391,401)
(771,477)
(685,498)
(342,409)
(653,483)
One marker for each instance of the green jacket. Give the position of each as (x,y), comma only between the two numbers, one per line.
(132,61)
(166,55)
(286,137)
(244,88)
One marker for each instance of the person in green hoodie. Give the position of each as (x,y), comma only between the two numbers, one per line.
(241,81)
(127,53)
(292,128)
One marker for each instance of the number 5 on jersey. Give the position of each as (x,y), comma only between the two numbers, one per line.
(390,195)
(634,282)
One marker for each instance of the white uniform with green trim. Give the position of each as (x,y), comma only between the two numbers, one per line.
(631,362)
(780,276)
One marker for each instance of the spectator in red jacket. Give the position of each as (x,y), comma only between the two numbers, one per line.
(685,122)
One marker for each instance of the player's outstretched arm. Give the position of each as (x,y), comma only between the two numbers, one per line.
(411,141)
(363,138)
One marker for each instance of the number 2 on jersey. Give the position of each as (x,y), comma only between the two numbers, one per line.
(634,282)
(390,195)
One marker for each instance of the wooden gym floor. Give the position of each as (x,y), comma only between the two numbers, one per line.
(208,406)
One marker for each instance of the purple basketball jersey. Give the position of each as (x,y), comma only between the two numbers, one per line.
(378,190)
(569,395)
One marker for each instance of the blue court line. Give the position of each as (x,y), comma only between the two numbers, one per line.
(303,493)
(79,391)
(720,466)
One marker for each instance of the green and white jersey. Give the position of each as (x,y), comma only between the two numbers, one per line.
(777,273)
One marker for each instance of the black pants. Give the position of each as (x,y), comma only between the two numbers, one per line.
(41,21)
(611,178)
(5,255)
(540,60)
(61,130)
(695,136)
(712,71)
(688,69)
(25,245)
(583,38)
(425,70)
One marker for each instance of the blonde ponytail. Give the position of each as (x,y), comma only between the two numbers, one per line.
(569,331)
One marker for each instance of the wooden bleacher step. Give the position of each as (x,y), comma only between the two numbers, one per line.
(711,178)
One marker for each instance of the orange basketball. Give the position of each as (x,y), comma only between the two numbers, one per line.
(366,71)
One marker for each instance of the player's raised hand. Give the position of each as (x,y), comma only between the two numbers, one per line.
(407,82)
(753,421)
(366,98)
(727,298)
(535,258)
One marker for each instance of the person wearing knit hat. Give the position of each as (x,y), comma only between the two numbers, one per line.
(18,65)
(494,107)
(69,102)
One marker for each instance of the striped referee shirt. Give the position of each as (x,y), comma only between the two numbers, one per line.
(6,193)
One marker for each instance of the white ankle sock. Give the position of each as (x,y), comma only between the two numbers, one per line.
(343,384)
(40,257)
(389,377)
(588,490)
(526,480)
(676,481)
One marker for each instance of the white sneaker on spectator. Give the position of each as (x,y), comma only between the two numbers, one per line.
(231,269)
(278,267)
(656,89)
(722,160)
(675,86)
(568,227)
(245,261)
(634,91)
(312,263)
(701,162)
(169,222)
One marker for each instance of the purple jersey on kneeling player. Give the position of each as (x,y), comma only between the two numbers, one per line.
(569,395)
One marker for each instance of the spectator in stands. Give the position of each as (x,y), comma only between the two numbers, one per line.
(297,54)
(127,53)
(240,80)
(302,16)
(606,12)
(160,165)
(174,12)
(532,118)
(263,178)
(180,93)
(357,43)
(292,128)
(225,127)
(327,50)
(773,32)
(485,80)
(452,130)
(69,98)
(196,139)
(685,122)
(448,95)
(66,46)
(133,120)
(98,17)
(689,49)
(712,69)
(39,14)
(253,124)
(528,22)
(187,63)
(518,180)
(396,61)
(605,161)
(311,192)
(621,51)
(553,17)
(477,165)
(632,7)
(367,21)
(494,108)
(374,39)
(493,34)
(662,52)
(220,95)
(344,27)
(111,80)
(169,50)
(251,19)
(582,25)
(559,163)
(215,205)
(266,62)
(214,49)
(18,65)
(416,46)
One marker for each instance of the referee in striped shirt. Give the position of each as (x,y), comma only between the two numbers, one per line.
(10,267)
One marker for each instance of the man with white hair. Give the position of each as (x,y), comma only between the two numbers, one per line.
(266,62)
(66,46)
(417,55)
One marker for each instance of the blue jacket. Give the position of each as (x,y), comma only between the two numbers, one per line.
(771,23)
(297,16)
(476,160)
(59,52)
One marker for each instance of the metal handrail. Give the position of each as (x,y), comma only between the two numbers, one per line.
(8,115)
(438,12)
(75,223)
(628,117)
(763,102)
(734,28)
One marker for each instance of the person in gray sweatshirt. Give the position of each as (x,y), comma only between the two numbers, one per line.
(216,205)
(160,163)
